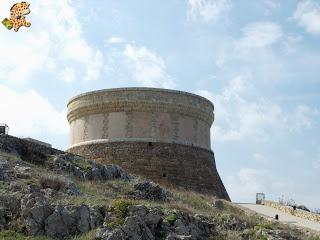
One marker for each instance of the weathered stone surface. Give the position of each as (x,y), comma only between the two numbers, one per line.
(11,204)
(88,170)
(185,167)
(143,223)
(42,218)
(3,218)
(66,221)
(26,150)
(150,191)
(218,204)
(6,172)
(108,234)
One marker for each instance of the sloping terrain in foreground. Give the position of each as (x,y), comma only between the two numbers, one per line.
(48,194)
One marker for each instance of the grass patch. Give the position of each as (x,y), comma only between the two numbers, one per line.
(171,218)
(88,236)
(98,193)
(83,164)
(11,235)
(9,157)
(120,209)
(52,182)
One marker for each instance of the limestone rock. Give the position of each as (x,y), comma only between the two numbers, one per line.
(3,218)
(107,234)
(11,204)
(6,172)
(88,170)
(150,191)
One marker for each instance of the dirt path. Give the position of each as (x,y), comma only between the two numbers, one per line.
(283,217)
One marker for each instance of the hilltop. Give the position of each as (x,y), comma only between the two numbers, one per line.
(49,194)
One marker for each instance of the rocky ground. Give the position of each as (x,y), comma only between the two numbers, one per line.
(63,196)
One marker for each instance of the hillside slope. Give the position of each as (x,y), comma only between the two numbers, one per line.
(48,194)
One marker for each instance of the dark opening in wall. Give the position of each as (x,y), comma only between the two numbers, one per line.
(150,144)
(164,175)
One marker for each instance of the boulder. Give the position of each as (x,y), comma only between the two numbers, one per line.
(150,191)
(108,234)
(11,203)
(6,171)
(136,229)
(87,170)
(3,218)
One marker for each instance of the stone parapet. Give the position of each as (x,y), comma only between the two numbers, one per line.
(288,209)
(140,100)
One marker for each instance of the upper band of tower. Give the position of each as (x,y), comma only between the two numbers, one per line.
(140,113)
(140,99)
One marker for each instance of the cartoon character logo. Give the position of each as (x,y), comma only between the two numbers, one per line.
(17,16)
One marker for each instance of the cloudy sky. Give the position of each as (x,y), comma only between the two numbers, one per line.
(258,61)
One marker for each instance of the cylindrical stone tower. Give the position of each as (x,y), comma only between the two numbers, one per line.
(162,135)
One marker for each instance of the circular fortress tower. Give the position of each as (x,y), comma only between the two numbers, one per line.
(163,135)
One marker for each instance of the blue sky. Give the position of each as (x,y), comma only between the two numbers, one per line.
(258,61)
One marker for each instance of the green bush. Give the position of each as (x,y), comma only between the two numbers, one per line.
(120,208)
(171,218)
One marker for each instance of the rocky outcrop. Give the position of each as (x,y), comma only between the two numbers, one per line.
(6,172)
(26,150)
(39,217)
(150,191)
(148,224)
(87,170)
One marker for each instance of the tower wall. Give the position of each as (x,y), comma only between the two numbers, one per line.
(163,135)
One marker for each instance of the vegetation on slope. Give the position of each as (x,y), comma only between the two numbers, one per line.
(118,195)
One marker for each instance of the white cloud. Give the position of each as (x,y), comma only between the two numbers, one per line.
(139,65)
(68,75)
(149,68)
(259,157)
(55,33)
(246,183)
(115,40)
(28,114)
(256,47)
(270,6)
(307,15)
(259,35)
(207,10)
(241,113)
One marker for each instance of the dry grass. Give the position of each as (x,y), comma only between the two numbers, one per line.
(52,182)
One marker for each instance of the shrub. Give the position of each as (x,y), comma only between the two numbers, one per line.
(171,218)
(120,208)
